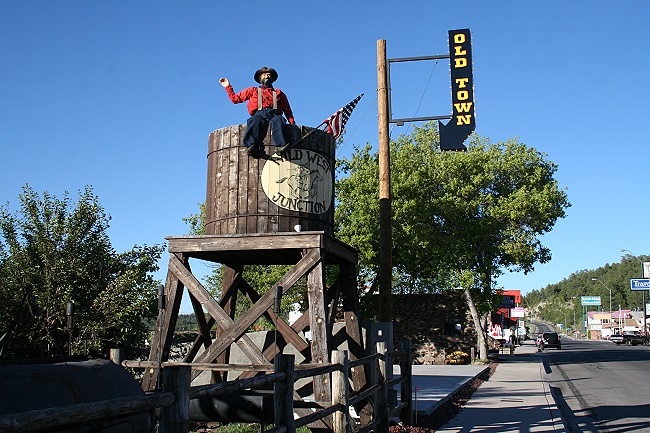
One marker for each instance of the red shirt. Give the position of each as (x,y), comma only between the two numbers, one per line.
(250,95)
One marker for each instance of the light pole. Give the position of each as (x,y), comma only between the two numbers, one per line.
(574,320)
(610,304)
(573,307)
(637,259)
(620,318)
(610,293)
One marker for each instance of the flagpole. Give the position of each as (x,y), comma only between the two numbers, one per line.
(308,134)
(335,131)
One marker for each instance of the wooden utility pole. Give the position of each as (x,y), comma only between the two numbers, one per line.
(385,219)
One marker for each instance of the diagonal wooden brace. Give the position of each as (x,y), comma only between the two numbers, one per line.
(289,334)
(215,310)
(233,331)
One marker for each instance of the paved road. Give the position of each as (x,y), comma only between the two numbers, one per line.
(599,386)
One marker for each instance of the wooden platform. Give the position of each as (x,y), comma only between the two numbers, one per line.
(284,248)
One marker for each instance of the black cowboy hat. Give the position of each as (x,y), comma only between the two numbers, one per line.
(274,75)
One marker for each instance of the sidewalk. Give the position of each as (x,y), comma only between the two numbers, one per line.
(517,398)
(435,384)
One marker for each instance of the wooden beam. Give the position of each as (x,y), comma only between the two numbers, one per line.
(232,279)
(204,330)
(385,218)
(332,298)
(248,242)
(247,319)
(176,417)
(350,302)
(318,328)
(242,248)
(340,391)
(215,310)
(228,302)
(289,334)
(165,325)
(335,249)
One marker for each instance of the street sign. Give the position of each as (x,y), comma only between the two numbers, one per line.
(517,312)
(590,300)
(639,283)
(646,269)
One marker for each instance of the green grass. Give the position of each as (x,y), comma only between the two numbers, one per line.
(250,428)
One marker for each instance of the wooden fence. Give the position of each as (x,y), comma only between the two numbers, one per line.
(173,400)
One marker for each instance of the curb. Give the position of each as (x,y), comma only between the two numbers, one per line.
(558,418)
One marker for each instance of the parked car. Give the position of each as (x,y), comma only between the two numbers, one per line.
(630,339)
(551,339)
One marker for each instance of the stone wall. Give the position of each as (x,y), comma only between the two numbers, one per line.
(436,324)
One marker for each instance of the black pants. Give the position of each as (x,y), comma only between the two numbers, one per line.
(258,124)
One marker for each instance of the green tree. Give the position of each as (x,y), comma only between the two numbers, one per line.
(460,219)
(53,252)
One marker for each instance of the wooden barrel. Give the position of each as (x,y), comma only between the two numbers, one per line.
(271,194)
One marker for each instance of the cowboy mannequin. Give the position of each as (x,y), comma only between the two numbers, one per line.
(266,105)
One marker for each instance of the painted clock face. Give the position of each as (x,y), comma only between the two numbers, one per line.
(303,182)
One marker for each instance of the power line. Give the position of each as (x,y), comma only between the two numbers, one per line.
(424,92)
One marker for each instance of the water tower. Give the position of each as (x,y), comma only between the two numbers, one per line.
(276,210)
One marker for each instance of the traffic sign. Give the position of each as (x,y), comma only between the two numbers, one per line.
(639,283)
(590,300)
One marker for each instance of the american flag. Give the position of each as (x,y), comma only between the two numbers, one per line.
(336,122)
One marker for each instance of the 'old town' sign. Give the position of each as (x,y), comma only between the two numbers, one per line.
(463,121)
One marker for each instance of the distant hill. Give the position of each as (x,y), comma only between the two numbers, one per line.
(560,302)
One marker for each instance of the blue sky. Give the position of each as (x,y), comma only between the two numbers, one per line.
(122,96)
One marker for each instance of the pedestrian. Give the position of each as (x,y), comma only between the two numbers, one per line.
(266,105)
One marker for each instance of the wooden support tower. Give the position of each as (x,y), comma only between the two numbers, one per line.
(307,251)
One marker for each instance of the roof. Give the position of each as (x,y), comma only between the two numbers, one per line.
(638,316)
(614,314)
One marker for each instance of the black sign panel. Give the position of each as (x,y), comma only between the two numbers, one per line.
(507,302)
(463,121)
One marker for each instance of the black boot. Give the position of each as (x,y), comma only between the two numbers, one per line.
(255,151)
